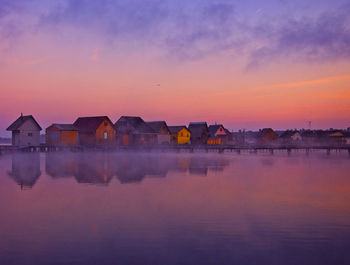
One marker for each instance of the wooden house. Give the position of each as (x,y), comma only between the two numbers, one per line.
(290,137)
(62,135)
(267,136)
(199,132)
(180,134)
(336,137)
(218,134)
(95,131)
(162,131)
(134,131)
(25,131)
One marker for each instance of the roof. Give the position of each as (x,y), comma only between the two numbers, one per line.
(157,125)
(176,129)
(214,128)
(64,127)
(132,124)
(198,128)
(20,121)
(266,130)
(89,124)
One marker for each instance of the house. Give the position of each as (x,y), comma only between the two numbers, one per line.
(308,137)
(134,131)
(62,135)
(336,137)
(199,132)
(162,131)
(95,131)
(267,136)
(180,134)
(290,137)
(218,134)
(347,137)
(25,131)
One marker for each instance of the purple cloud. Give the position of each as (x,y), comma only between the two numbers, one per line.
(325,38)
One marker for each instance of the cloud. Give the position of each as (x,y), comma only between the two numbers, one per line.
(324,38)
(192,30)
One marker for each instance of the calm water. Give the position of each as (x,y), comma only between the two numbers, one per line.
(175,209)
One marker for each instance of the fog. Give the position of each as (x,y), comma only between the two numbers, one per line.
(175,208)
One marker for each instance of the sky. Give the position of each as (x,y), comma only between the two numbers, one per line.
(247,64)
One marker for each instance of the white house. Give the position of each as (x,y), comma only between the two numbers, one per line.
(25,131)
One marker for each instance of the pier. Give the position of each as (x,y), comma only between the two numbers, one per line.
(4,149)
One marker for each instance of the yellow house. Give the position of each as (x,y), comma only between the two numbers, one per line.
(179,134)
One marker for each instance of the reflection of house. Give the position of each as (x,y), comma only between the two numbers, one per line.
(180,134)
(267,136)
(94,168)
(199,132)
(198,166)
(290,137)
(62,135)
(95,131)
(25,169)
(218,134)
(134,131)
(162,131)
(25,131)
(61,165)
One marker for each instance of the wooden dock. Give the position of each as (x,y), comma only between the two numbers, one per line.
(4,149)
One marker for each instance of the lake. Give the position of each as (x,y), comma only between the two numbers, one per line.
(146,208)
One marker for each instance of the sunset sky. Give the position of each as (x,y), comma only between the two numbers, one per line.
(247,64)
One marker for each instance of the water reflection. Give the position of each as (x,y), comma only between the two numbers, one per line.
(246,210)
(25,169)
(100,168)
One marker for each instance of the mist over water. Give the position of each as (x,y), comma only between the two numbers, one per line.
(164,208)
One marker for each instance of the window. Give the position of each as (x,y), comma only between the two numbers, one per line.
(30,134)
(105,123)
(105,135)
(181,134)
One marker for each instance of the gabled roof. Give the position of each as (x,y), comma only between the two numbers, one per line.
(64,127)
(176,129)
(266,130)
(157,125)
(132,124)
(214,128)
(20,121)
(90,124)
(198,128)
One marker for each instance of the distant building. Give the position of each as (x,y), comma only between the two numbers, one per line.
(62,135)
(95,131)
(290,137)
(199,132)
(162,131)
(267,136)
(336,137)
(218,134)
(180,134)
(347,137)
(25,131)
(134,131)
